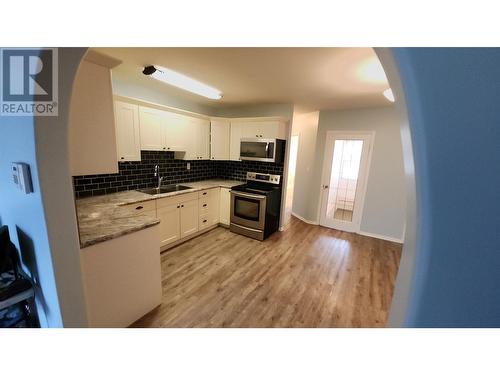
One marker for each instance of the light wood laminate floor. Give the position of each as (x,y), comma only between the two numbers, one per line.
(306,276)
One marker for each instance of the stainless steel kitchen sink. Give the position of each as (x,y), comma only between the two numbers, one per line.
(164,189)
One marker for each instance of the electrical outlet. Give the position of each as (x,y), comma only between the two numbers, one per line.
(188,166)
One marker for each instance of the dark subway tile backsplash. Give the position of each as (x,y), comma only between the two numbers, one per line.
(134,175)
(237,170)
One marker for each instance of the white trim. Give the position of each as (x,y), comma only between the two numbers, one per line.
(380,236)
(360,232)
(305,220)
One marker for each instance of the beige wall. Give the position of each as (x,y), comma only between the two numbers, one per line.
(385,201)
(305,125)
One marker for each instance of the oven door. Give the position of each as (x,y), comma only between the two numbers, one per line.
(258,150)
(248,210)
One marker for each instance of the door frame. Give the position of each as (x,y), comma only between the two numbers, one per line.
(331,136)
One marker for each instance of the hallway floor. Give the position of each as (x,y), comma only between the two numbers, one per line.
(306,276)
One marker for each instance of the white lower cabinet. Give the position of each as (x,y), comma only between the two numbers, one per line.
(170,226)
(209,208)
(178,217)
(189,218)
(184,215)
(225,206)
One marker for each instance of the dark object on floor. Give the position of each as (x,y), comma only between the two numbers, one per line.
(17,307)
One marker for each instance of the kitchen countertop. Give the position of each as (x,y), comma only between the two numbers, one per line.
(103,217)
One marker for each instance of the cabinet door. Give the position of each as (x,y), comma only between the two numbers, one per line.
(214,207)
(251,129)
(170,229)
(190,142)
(202,139)
(128,140)
(219,139)
(189,218)
(197,137)
(235,141)
(272,129)
(92,138)
(152,123)
(225,206)
(176,131)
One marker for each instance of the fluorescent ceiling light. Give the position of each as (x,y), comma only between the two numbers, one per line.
(181,81)
(389,95)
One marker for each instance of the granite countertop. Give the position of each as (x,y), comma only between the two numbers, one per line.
(103,217)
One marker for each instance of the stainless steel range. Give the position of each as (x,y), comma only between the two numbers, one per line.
(255,206)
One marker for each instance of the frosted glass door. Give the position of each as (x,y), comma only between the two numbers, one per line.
(344,180)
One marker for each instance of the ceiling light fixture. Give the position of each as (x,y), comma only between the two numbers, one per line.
(181,81)
(371,71)
(389,95)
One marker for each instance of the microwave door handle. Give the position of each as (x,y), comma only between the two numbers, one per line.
(267,148)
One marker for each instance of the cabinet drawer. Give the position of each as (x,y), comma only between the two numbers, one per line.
(162,202)
(141,207)
(204,221)
(208,192)
(204,204)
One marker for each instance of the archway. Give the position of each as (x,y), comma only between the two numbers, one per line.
(52,159)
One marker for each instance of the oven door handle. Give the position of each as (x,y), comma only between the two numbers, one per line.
(246,195)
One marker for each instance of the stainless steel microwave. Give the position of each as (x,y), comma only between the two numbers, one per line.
(267,150)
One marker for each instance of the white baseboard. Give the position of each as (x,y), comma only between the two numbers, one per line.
(368,234)
(305,220)
(380,236)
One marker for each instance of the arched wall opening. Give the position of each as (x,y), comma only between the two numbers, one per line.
(52,157)
(449,269)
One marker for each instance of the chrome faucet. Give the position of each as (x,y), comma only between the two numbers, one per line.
(157,175)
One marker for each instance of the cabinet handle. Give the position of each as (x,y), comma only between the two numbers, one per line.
(205,220)
(122,158)
(205,205)
(139,208)
(168,148)
(178,206)
(182,205)
(205,193)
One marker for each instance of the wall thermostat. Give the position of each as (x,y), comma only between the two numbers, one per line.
(22,177)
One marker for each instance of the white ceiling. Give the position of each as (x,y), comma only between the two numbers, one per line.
(315,78)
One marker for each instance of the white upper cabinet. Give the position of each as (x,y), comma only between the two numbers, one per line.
(235,140)
(175,131)
(128,141)
(152,123)
(92,139)
(161,130)
(220,131)
(197,140)
(264,129)
(190,136)
(203,139)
